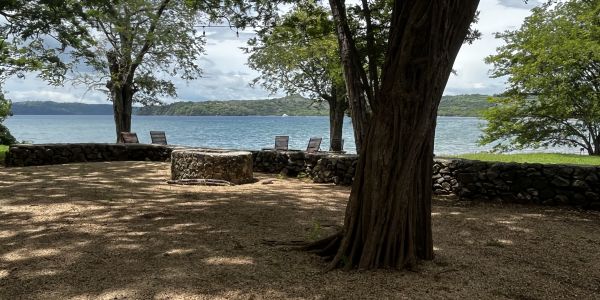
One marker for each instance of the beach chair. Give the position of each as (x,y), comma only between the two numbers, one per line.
(129,138)
(158,137)
(314,144)
(281,143)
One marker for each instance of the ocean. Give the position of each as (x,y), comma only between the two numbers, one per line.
(454,135)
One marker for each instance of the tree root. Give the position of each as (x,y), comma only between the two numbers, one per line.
(326,247)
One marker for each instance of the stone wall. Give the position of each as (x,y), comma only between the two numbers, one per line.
(321,167)
(232,166)
(572,185)
(577,186)
(48,154)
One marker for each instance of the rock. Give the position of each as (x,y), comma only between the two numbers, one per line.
(580,184)
(232,166)
(592,197)
(561,199)
(560,181)
(446,186)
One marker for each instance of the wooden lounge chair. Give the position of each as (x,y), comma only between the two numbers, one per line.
(129,138)
(314,144)
(281,143)
(158,137)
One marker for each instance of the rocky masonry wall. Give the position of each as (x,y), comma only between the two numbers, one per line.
(22,155)
(577,186)
(572,185)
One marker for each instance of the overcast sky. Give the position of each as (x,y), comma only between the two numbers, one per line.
(226,75)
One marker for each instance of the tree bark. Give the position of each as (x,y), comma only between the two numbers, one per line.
(354,74)
(337,111)
(388,218)
(121,91)
(122,108)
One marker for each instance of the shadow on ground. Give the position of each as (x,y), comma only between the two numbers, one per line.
(118,231)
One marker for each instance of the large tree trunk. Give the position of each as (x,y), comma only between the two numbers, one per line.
(388,218)
(337,111)
(354,74)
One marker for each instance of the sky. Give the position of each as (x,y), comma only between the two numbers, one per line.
(226,75)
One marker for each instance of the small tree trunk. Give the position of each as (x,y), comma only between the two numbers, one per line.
(122,106)
(121,93)
(388,218)
(354,74)
(337,111)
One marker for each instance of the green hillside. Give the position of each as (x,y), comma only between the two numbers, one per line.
(460,105)
(56,108)
(463,105)
(292,106)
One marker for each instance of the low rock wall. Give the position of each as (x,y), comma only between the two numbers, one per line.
(23,155)
(545,184)
(232,166)
(322,167)
(572,185)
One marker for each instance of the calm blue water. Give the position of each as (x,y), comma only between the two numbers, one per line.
(454,134)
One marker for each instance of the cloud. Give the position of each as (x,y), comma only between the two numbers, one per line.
(472,72)
(520,3)
(226,75)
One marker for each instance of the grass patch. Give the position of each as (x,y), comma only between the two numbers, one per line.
(3,150)
(542,158)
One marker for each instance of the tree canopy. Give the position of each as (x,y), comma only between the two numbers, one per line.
(299,55)
(552,63)
(129,49)
(5,137)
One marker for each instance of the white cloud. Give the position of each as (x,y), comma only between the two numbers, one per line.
(472,72)
(226,75)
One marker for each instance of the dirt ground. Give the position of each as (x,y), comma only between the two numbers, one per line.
(118,231)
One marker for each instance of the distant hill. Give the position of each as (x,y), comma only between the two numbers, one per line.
(463,105)
(460,105)
(56,108)
(291,106)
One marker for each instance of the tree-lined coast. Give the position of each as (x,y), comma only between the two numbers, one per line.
(459,105)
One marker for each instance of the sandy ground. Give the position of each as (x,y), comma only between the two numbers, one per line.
(118,231)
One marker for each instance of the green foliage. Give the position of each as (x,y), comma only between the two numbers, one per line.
(299,55)
(3,150)
(541,158)
(553,68)
(5,105)
(5,137)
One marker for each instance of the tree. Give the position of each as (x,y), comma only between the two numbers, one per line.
(553,66)
(388,218)
(130,48)
(5,137)
(299,55)
(360,84)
